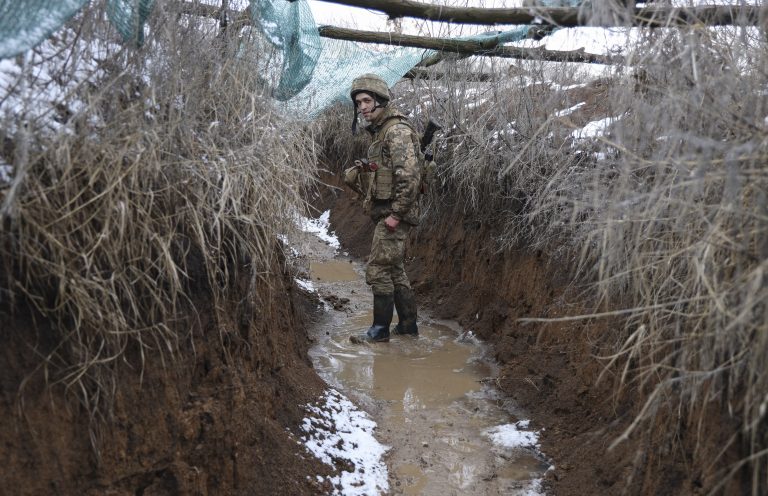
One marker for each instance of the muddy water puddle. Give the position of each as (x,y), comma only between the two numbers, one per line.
(433,398)
(332,271)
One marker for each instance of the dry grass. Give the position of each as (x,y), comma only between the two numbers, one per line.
(170,175)
(666,212)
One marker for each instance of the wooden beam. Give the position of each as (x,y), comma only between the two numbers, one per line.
(652,16)
(421,73)
(487,47)
(464,47)
(239,17)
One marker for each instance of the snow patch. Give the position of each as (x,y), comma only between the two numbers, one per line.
(558,87)
(6,171)
(533,489)
(569,111)
(320,227)
(594,129)
(512,435)
(306,285)
(337,431)
(517,436)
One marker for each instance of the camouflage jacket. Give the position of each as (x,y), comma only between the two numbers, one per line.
(393,185)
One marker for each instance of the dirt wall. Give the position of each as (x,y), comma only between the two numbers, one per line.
(552,370)
(210,419)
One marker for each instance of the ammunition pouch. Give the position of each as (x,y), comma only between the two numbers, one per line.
(383,183)
(351,177)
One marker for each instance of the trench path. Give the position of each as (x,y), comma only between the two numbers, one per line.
(432,396)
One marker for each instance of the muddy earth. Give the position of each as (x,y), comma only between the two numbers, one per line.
(434,396)
(224,416)
(550,371)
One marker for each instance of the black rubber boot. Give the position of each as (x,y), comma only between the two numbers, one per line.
(406,311)
(383,305)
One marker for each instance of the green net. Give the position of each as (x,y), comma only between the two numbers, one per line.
(25,23)
(317,72)
(314,72)
(128,17)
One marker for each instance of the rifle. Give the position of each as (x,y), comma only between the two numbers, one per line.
(426,139)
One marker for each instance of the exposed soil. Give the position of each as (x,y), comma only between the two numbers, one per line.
(214,420)
(550,370)
(433,397)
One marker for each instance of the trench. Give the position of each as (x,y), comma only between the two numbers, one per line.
(447,428)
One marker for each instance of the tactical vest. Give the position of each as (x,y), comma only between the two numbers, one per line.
(378,176)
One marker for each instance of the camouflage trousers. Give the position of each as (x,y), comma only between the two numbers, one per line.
(386,263)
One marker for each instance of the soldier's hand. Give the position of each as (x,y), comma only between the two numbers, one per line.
(391,223)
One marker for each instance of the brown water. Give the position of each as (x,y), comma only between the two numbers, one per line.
(431,396)
(331,271)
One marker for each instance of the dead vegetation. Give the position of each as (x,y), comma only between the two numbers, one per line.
(166,168)
(151,174)
(649,181)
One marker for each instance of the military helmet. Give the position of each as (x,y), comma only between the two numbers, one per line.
(369,83)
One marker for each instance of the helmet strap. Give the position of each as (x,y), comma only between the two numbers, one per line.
(380,102)
(354,121)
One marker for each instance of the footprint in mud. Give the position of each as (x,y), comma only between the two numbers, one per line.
(338,304)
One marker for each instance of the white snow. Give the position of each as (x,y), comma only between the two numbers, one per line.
(306,285)
(338,430)
(320,227)
(5,171)
(534,489)
(49,80)
(559,87)
(512,435)
(568,111)
(20,39)
(594,129)
(592,39)
(516,436)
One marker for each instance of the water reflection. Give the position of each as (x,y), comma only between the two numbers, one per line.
(432,407)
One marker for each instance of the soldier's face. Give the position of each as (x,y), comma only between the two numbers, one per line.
(366,105)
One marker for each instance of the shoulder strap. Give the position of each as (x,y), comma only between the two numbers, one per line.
(391,122)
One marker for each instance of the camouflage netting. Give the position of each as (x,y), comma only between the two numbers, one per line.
(315,72)
(25,23)
(318,71)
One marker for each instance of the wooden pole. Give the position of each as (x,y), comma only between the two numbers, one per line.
(421,73)
(465,47)
(468,47)
(653,16)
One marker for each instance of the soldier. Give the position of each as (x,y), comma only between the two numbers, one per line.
(389,182)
